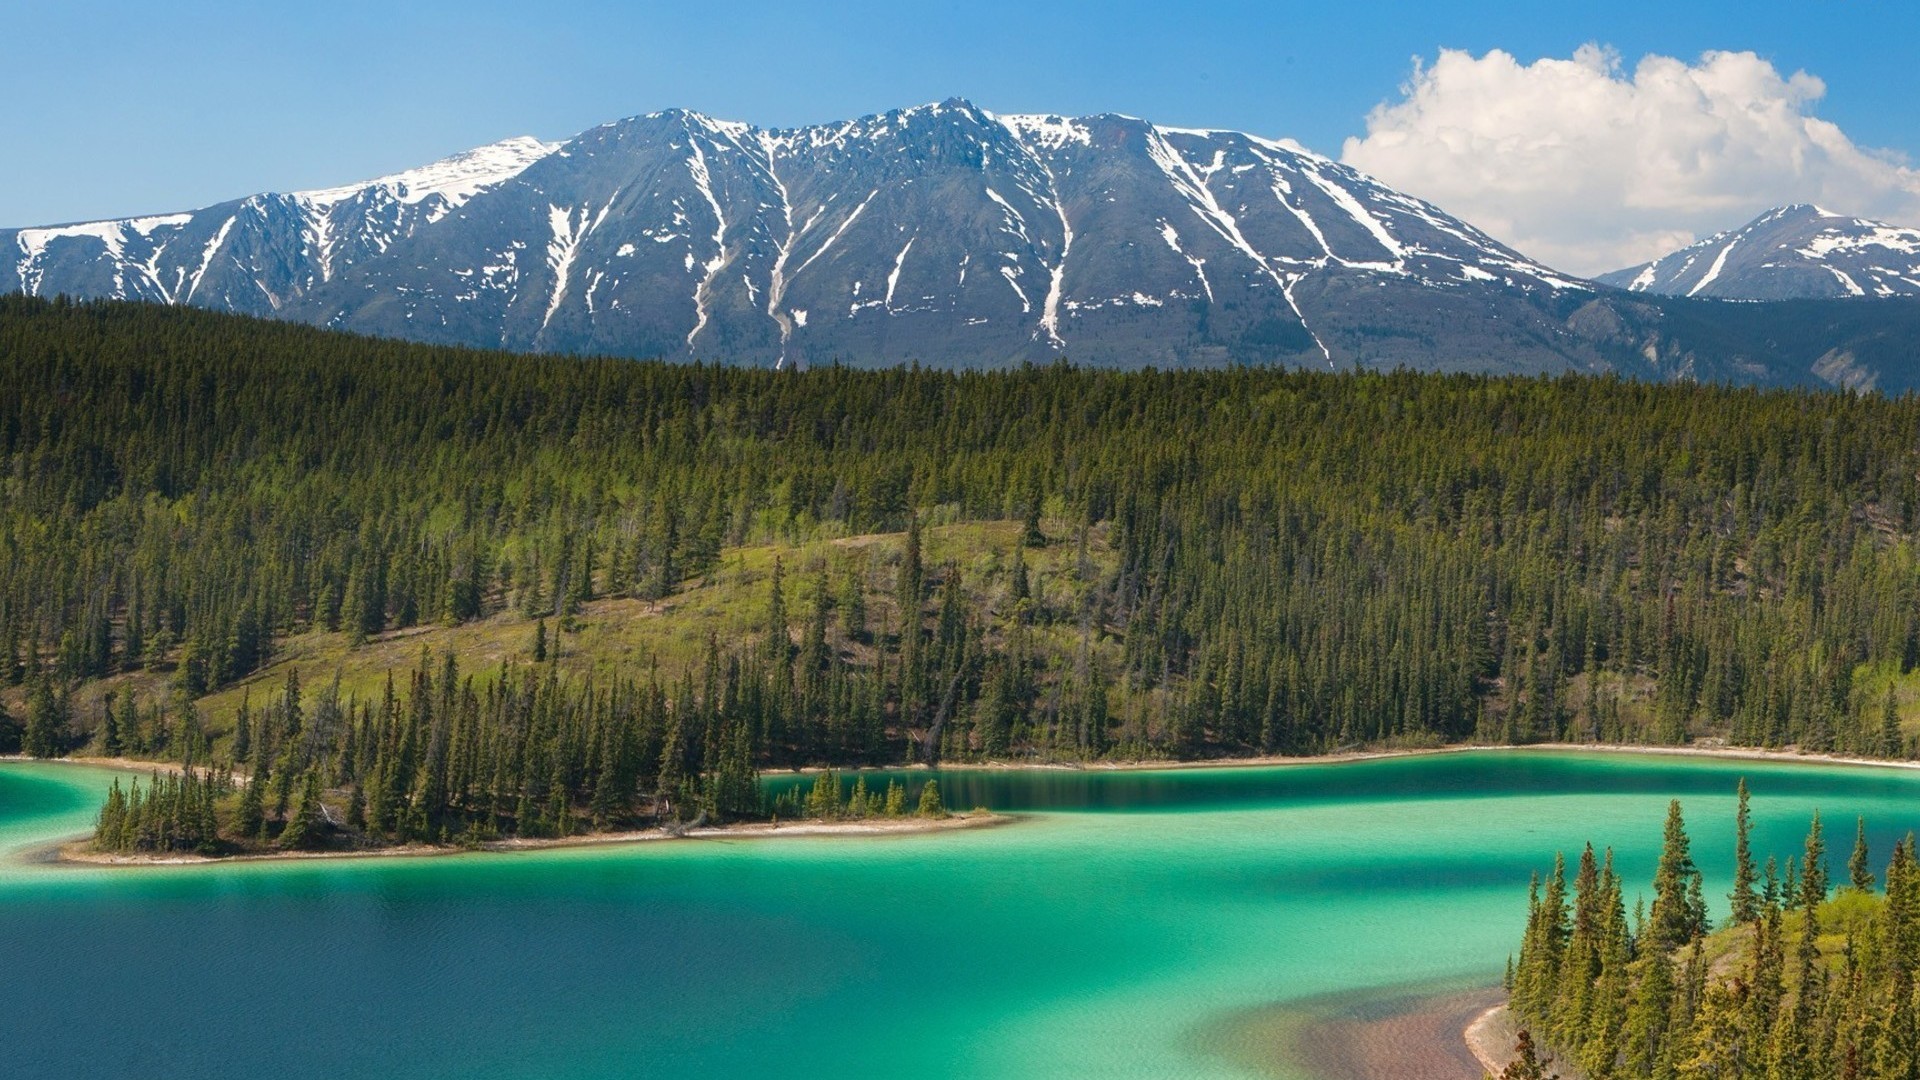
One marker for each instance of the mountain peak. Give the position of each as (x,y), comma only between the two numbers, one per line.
(1799,251)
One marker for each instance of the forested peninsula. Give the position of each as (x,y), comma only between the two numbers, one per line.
(1805,981)
(371,592)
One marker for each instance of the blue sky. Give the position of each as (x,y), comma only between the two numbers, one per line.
(120,108)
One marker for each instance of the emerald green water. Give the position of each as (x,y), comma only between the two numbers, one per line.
(1106,934)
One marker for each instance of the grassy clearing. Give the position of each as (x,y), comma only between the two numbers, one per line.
(623,637)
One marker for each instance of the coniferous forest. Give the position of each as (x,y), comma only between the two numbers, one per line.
(1810,979)
(1129,565)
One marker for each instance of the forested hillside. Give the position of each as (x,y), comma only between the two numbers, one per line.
(838,566)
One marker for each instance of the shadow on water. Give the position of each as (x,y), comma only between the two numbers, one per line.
(1492,774)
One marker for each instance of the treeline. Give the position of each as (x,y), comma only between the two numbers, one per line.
(174,813)
(1804,982)
(445,758)
(1293,561)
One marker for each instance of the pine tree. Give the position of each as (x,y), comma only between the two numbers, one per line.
(1675,920)
(930,806)
(1813,869)
(1030,534)
(1746,901)
(672,772)
(1859,871)
(46,732)
(303,824)
(252,818)
(243,728)
(1891,740)
(853,605)
(110,741)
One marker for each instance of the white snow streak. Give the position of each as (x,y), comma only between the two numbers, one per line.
(206,258)
(1345,200)
(1719,263)
(1172,237)
(703,179)
(1050,310)
(851,218)
(568,233)
(893,278)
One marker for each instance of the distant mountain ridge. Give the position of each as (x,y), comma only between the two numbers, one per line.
(1798,252)
(943,233)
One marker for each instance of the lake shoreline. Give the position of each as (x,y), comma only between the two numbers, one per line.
(1344,757)
(78,853)
(1348,757)
(74,852)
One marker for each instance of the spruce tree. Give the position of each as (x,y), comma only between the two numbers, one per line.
(1746,901)
(930,806)
(110,741)
(303,824)
(852,604)
(779,645)
(1859,871)
(1813,869)
(46,732)
(1675,921)
(252,818)
(1891,740)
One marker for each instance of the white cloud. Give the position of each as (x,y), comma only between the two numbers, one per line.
(1580,165)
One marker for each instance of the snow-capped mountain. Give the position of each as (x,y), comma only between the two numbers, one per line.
(259,255)
(1794,252)
(944,233)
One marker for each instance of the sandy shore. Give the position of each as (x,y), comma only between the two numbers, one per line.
(143,768)
(79,852)
(1376,1035)
(1490,1038)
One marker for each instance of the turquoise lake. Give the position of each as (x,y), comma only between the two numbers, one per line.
(1102,935)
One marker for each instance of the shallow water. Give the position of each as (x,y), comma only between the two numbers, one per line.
(1104,935)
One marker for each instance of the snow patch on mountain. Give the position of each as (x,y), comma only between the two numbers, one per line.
(455,179)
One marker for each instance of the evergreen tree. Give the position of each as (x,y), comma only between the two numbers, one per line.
(930,806)
(1746,901)
(1859,871)
(1675,918)
(46,731)
(1891,740)
(852,605)
(303,823)
(1813,870)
